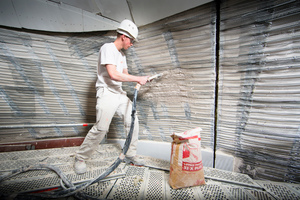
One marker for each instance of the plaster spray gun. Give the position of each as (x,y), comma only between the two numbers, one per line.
(155,76)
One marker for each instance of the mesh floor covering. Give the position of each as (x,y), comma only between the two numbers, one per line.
(131,182)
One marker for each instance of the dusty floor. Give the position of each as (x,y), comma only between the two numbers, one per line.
(127,181)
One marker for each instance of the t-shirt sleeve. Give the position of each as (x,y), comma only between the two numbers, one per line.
(107,56)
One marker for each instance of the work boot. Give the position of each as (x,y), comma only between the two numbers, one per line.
(136,160)
(79,166)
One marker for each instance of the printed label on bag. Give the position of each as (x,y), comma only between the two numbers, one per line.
(192,166)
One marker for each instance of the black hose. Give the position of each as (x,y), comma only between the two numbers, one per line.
(133,112)
(72,189)
(38,167)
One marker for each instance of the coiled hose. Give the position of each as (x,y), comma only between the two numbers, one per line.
(69,187)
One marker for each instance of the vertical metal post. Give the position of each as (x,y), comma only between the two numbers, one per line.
(217,46)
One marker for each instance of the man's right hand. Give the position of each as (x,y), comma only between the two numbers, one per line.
(143,80)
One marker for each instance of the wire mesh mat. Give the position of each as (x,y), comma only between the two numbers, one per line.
(281,190)
(63,158)
(132,182)
(230,177)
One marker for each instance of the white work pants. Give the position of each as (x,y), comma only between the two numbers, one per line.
(109,103)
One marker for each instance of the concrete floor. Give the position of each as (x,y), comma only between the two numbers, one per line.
(127,181)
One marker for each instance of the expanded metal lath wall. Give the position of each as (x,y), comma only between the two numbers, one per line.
(49,78)
(259,101)
(183,48)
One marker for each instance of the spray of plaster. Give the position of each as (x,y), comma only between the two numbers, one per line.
(171,87)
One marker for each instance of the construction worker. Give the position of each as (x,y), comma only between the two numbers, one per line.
(111,99)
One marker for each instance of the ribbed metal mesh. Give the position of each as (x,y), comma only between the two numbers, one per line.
(62,158)
(214,191)
(131,182)
(181,47)
(49,78)
(99,190)
(155,185)
(240,193)
(281,191)
(157,163)
(132,186)
(230,177)
(258,102)
(258,194)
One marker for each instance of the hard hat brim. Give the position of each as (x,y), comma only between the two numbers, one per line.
(127,34)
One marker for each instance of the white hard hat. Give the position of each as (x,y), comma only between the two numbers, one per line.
(128,28)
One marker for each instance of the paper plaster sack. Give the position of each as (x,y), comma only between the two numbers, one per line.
(186,168)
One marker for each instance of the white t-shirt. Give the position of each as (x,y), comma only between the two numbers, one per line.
(109,54)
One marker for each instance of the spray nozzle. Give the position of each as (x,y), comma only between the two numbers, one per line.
(155,76)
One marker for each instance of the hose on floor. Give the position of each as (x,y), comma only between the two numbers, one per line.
(69,188)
